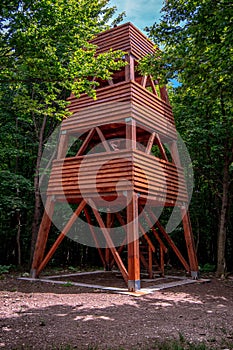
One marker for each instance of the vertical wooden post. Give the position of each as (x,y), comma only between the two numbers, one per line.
(161,253)
(129,68)
(174,153)
(132,218)
(107,250)
(150,261)
(63,145)
(186,222)
(190,243)
(42,236)
(131,136)
(133,242)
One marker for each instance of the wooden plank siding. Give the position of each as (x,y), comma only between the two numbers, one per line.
(125,37)
(99,174)
(118,102)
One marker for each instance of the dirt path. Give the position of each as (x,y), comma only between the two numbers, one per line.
(45,316)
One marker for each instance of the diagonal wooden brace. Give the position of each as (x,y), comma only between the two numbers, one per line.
(109,241)
(170,241)
(61,236)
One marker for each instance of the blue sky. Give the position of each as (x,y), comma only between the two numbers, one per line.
(141,13)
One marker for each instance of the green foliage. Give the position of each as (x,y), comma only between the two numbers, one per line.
(196,40)
(198,57)
(6,268)
(68,284)
(208,268)
(45,54)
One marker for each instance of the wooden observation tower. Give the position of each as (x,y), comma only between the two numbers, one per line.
(117,133)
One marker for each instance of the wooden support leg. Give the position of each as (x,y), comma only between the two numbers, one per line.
(161,260)
(145,235)
(42,236)
(155,233)
(61,236)
(150,262)
(133,242)
(144,262)
(107,250)
(109,241)
(120,249)
(170,241)
(88,217)
(190,243)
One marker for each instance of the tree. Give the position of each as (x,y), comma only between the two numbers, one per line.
(196,38)
(46,54)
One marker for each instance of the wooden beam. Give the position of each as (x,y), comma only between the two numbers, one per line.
(62,236)
(169,240)
(103,140)
(129,68)
(133,242)
(153,86)
(42,236)
(164,94)
(85,142)
(109,241)
(88,217)
(144,262)
(120,249)
(155,233)
(189,242)
(107,250)
(131,135)
(62,145)
(150,143)
(174,153)
(150,262)
(110,82)
(144,81)
(145,235)
(161,148)
(161,259)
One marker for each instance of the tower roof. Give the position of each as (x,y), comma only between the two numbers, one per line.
(125,37)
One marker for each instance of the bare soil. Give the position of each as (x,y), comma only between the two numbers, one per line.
(37,315)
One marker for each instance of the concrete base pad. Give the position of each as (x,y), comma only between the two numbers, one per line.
(178,281)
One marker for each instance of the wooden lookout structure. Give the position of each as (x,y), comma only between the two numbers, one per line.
(122,135)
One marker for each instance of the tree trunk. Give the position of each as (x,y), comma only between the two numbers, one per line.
(222,233)
(38,202)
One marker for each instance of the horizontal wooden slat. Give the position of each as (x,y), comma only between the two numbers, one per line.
(125,37)
(101,174)
(116,103)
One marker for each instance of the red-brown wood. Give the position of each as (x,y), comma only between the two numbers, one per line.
(133,242)
(88,217)
(135,109)
(109,241)
(42,236)
(189,242)
(170,241)
(61,236)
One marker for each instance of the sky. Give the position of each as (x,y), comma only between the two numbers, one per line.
(141,13)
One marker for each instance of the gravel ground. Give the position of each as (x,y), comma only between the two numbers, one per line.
(36,315)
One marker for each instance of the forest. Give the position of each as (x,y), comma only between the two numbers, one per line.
(46,54)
